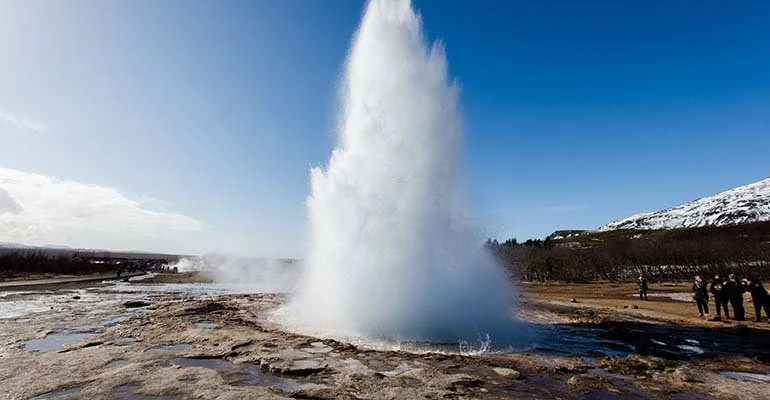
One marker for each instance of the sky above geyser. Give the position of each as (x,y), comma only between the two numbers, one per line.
(191,125)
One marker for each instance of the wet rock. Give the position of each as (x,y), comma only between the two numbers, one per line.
(208,308)
(316,393)
(318,348)
(585,381)
(587,317)
(305,367)
(83,346)
(507,372)
(245,344)
(573,300)
(464,381)
(635,364)
(684,374)
(135,304)
(677,377)
(75,297)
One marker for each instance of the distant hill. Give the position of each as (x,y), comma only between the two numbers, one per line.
(740,205)
(566,234)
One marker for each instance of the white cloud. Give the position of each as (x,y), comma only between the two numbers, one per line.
(41,210)
(21,123)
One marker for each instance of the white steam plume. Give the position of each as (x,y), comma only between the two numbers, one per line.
(391,253)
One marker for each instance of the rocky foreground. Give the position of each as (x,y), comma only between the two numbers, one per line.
(185,346)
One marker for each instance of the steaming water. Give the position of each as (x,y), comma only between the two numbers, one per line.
(391,254)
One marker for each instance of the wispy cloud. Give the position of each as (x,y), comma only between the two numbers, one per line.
(41,210)
(564,208)
(21,123)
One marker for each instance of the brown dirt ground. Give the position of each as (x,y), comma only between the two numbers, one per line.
(621,297)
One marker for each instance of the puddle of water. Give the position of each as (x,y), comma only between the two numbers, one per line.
(168,348)
(206,325)
(252,375)
(211,363)
(123,391)
(115,363)
(113,321)
(582,341)
(691,349)
(745,376)
(605,374)
(101,324)
(55,341)
(60,393)
(128,392)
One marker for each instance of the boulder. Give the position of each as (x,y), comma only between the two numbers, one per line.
(507,372)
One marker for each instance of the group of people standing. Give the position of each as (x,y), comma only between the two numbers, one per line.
(728,293)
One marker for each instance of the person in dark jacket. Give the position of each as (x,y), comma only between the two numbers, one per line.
(734,291)
(759,297)
(701,296)
(720,297)
(643,288)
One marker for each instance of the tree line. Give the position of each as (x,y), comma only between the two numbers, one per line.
(662,255)
(23,261)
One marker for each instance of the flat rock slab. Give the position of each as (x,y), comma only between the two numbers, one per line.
(506,372)
(304,367)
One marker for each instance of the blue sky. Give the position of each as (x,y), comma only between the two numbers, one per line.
(576,113)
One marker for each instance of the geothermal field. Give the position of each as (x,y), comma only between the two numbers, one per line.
(181,336)
(395,298)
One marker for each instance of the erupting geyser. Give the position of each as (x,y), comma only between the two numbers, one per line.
(391,255)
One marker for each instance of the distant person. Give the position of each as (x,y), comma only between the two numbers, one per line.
(759,297)
(720,297)
(701,296)
(734,291)
(643,288)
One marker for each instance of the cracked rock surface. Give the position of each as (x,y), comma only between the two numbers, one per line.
(223,346)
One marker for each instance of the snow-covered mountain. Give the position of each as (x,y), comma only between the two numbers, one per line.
(750,203)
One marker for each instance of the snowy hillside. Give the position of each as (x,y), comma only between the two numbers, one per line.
(750,203)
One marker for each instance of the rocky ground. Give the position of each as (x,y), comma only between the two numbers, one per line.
(178,345)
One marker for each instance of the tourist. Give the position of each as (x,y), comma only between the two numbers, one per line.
(720,297)
(734,291)
(643,288)
(759,297)
(701,296)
